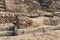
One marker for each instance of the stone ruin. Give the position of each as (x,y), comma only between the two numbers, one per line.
(25,17)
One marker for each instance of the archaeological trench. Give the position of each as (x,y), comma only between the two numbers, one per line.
(29,19)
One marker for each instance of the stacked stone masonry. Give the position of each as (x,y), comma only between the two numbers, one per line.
(29,20)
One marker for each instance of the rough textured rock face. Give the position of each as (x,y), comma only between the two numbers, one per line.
(29,5)
(6,19)
(51,21)
(29,20)
(24,22)
(26,5)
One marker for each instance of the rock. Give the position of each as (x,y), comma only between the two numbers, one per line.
(51,21)
(33,15)
(24,22)
(57,14)
(5,33)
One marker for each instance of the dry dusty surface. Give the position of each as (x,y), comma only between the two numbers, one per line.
(42,23)
(50,35)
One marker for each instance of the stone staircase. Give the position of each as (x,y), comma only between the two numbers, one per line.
(2,5)
(6,30)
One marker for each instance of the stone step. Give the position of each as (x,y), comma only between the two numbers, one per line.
(6,26)
(1,2)
(35,36)
(2,9)
(2,6)
(5,33)
(44,28)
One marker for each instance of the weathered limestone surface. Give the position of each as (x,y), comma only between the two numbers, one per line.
(45,19)
(9,5)
(50,35)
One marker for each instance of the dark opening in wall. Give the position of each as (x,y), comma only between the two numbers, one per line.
(45,3)
(41,1)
